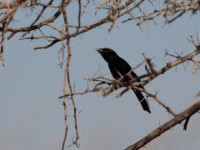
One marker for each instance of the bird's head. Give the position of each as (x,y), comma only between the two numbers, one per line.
(107,53)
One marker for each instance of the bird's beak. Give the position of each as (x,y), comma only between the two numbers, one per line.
(99,50)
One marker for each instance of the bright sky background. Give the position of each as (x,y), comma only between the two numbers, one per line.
(32,115)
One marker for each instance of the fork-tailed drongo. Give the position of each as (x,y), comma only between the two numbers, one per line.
(122,71)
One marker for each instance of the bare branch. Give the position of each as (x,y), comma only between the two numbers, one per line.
(166,126)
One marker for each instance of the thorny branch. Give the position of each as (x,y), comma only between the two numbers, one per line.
(166,126)
(169,10)
(66,78)
(108,86)
(62,31)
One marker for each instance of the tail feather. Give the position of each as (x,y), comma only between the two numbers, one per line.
(142,100)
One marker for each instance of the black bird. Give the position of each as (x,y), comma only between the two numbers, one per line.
(122,71)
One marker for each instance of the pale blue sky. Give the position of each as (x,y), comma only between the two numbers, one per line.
(32,115)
